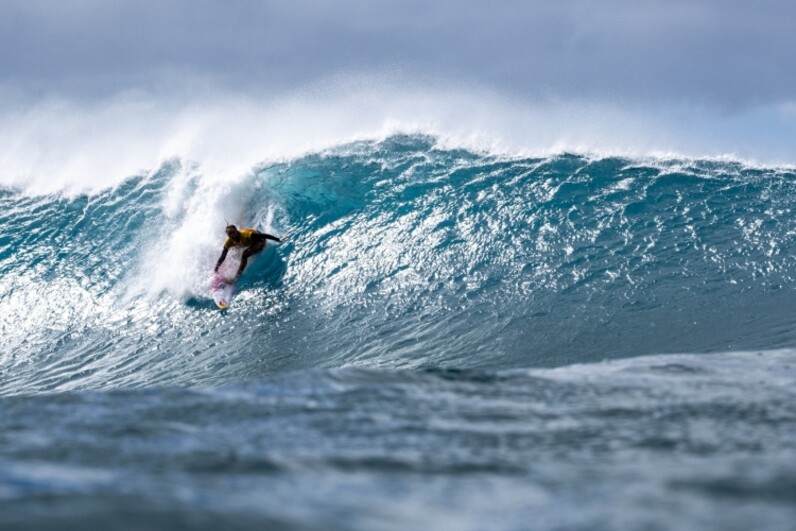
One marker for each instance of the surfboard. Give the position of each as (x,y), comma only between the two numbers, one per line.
(222,289)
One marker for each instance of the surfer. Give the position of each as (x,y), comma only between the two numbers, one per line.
(252,240)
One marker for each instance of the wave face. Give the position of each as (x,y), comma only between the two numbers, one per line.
(402,254)
(447,338)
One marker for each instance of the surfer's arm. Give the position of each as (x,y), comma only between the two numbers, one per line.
(263,236)
(221,259)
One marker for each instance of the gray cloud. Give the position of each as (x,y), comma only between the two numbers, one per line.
(726,54)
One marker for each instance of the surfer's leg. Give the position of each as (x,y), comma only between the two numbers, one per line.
(252,249)
(256,247)
(244,259)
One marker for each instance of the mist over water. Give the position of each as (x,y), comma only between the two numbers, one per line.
(61,144)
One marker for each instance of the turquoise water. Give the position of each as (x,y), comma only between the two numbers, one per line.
(446,339)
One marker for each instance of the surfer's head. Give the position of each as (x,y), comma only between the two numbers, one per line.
(232,232)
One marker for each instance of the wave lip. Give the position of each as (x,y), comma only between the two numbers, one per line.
(61,145)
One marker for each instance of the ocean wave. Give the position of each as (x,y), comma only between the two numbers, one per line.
(402,253)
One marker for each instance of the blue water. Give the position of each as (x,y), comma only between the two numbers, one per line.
(446,339)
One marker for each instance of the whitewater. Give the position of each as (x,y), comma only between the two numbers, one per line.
(462,331)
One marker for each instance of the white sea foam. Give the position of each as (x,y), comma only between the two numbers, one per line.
(62,145)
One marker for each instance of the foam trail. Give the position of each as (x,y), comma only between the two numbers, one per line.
(181,253)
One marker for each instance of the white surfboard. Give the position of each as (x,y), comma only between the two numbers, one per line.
(223,290)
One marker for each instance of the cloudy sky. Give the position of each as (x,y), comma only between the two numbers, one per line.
(723,53)
(732,60)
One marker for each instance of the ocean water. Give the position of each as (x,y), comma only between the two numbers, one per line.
(447,339)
